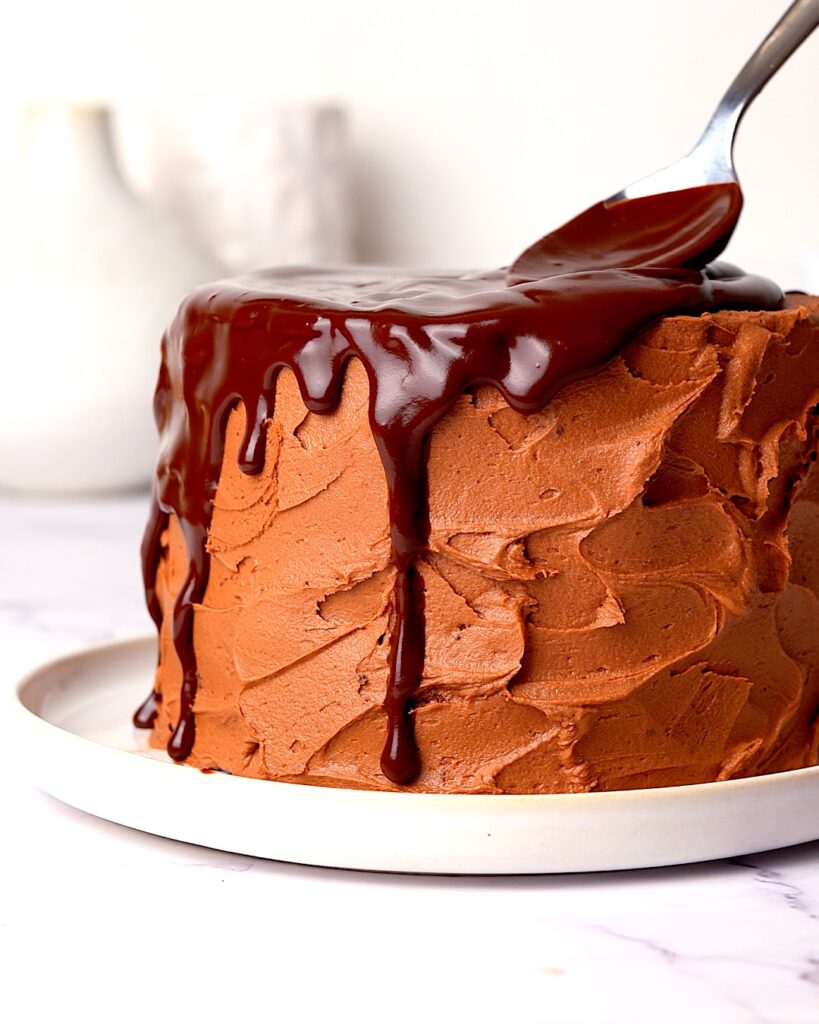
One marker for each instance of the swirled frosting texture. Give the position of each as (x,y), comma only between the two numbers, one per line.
(621,591)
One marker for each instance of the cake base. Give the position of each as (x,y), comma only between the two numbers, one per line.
(75,745)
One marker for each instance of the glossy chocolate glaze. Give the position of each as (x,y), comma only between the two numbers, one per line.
(672,229)
(423,340)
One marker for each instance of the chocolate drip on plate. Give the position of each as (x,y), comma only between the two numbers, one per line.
(423,341)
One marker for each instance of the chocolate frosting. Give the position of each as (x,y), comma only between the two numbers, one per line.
(607,595)
(423,343)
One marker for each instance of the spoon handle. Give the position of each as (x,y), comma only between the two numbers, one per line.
(792,29)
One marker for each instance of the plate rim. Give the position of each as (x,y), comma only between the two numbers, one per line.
(31,719)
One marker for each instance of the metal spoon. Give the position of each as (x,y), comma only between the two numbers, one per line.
(677,221)
(712,159)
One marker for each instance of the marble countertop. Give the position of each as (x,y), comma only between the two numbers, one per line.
(104,923)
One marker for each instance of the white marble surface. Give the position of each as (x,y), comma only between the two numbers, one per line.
(101,923)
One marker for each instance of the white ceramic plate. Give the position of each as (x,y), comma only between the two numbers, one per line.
(74,719)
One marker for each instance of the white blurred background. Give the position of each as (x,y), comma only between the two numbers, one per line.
(470,128)
(475,124)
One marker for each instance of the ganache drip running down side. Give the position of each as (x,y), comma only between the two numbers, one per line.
(423,341)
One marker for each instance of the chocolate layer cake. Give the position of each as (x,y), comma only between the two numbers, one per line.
(488,534)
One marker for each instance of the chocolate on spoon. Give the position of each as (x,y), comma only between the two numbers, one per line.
(684,214)
(672,229)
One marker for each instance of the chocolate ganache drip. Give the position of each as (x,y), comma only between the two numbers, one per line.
(423,341)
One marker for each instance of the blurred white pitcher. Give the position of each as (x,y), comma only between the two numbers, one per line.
(254,183)
(89,278)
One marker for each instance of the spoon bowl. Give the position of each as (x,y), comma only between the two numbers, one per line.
(670,229)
